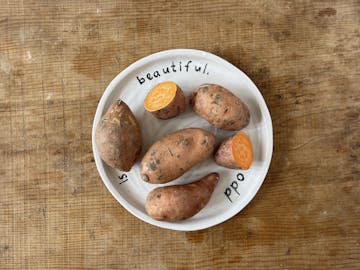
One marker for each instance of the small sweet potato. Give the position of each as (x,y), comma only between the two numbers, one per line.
(118,137)
(220,107)
(178,202)
(174,154)
(165,100)
(235,152)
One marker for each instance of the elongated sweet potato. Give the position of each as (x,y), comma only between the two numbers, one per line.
(165,100)
(220,107)
(178,202)
(235,152)
(118,137)
(174,154)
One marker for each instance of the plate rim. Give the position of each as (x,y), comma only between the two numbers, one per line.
(173,225)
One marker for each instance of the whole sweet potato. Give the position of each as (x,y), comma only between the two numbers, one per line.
(178,202)
(220,107)
(118,137)
(174,154)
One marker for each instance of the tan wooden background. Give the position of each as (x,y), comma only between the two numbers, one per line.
(57,57)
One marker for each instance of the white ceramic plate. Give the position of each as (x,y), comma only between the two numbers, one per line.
(188,68)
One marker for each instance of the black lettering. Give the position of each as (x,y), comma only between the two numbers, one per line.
(235,186)
(205,68)
(197,69)
(149,76)
(240,177)
(141,80)
(123,178)
(180,65)
(156,74)
(187,65)
(228,193)
(173,66)
(166,70)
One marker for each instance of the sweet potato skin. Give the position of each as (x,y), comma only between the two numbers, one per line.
(179,202)
(175,107)
(223,155)
(220,107)
(176,153)
(118,137)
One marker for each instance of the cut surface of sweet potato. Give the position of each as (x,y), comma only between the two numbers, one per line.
(160,96)
(242,150)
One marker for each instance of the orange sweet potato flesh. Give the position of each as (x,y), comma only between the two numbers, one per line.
(175,154)
(220,107)
(179,202)
(165,100)
(235,152)
(118,137)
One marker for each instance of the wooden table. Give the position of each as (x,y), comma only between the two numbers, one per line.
(57,57)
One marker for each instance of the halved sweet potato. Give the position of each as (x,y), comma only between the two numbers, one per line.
(235,152)
(165,100)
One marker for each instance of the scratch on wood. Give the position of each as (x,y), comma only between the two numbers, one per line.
(311,140)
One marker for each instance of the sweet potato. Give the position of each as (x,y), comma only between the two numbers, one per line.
(235,152)
(220,107)
(118,137)
(165,100)
(178,202)
(174,154)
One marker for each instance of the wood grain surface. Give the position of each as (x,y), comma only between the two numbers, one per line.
(57,57)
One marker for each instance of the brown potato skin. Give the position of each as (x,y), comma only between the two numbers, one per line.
(179,202)
(118,137)
(223,155)
(176,153)
(175,107)
(220,107)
